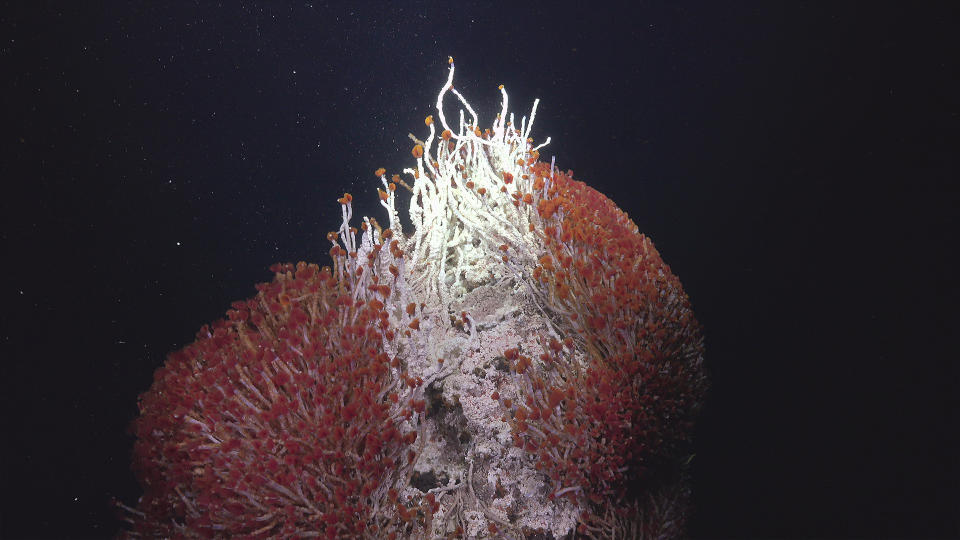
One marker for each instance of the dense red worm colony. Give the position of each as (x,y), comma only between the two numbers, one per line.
(282,419)
(597,424)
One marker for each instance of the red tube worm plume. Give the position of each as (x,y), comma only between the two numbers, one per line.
(282,419)
(610,422)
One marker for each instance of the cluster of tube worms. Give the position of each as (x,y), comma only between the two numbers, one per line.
(284,418)
(616,391)
(299,413)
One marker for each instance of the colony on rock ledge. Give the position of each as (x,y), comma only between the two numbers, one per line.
(522,364)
